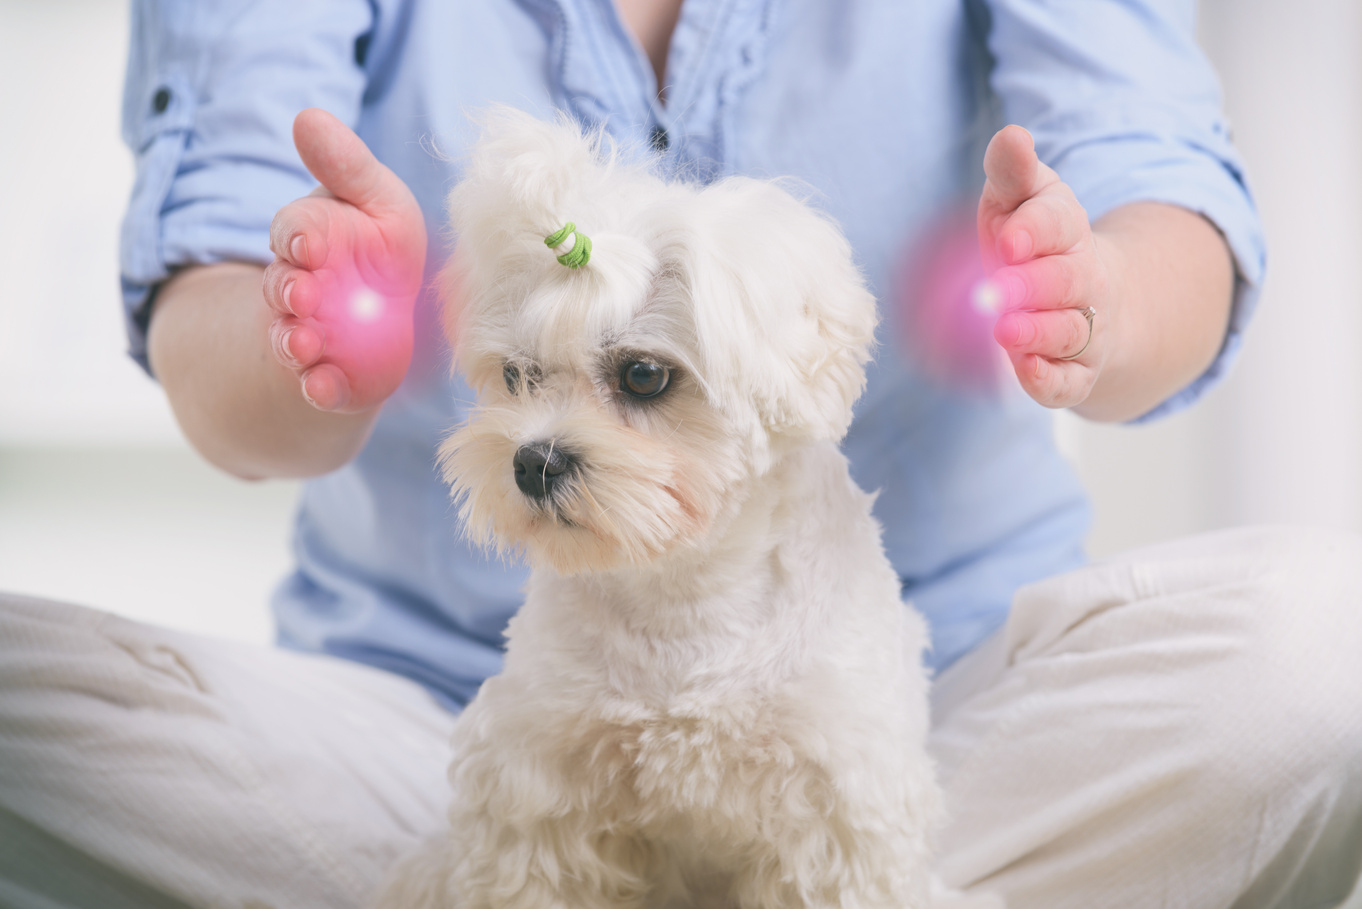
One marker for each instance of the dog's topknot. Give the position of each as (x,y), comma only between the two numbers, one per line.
(530,169)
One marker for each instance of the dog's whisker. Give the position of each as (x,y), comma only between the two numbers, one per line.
(612,527)
(600,511)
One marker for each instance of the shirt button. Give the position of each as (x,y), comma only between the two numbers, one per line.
(659,139)
(161,100)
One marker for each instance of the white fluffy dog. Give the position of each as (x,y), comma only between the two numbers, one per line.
(713,695)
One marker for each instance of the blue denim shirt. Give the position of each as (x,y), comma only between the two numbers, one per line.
(881,108)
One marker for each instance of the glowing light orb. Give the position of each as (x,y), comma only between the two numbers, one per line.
(948,304)
(365,305)
(986,297)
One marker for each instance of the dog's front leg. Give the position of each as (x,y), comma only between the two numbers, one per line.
(849,859)
(561,862)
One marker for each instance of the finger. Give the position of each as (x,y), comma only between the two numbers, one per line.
(325,387)
(343,164)
(1056,334)
(1012,171)
(1048,223)
(297,343)
(298,233)
(1050,282)
(290,291)
(1053,383)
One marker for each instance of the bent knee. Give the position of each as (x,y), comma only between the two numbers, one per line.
(1286,702)
(51,650)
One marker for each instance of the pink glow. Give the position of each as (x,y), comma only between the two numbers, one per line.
(368,334)
(947,306)
(365,305)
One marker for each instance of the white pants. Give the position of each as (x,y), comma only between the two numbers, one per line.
(1179,727)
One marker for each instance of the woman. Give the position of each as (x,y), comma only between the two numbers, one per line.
(1171,728)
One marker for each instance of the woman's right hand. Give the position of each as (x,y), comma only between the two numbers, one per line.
(348,266)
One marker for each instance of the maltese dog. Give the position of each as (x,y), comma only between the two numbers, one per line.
(713,695)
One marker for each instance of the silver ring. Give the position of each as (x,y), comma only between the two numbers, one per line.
(1087,312)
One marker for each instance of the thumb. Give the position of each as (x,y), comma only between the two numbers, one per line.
(343,164)
(1013,171)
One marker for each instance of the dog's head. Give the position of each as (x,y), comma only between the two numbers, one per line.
(624,405)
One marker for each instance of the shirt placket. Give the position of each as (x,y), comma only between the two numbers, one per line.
(718,49)
(595,71)
(604,79)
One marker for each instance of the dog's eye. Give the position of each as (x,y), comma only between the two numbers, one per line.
(517,377)
(644,380)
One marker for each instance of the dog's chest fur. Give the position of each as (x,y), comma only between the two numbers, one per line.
(689,723)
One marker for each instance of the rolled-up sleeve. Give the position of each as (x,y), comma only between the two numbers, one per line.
(208,108)
(1125,107)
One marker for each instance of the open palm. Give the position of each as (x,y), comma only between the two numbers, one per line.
(348,266)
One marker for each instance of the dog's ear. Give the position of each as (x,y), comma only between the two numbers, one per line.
(784,317)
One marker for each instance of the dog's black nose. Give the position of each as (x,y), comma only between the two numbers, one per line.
(538,467)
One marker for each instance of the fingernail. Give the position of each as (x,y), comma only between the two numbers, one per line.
(1021,245)
(1014,330)
(298,249)
(282,347)
(307,397)
(287,294)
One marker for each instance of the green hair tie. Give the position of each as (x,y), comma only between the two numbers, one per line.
(580,252)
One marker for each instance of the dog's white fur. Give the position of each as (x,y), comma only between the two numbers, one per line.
(713,694)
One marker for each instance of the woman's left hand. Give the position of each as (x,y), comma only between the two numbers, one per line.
(1048,271)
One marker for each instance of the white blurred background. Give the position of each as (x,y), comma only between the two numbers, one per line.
(102,503)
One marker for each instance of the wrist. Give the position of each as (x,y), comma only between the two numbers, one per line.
(1170,281)
(1113,319)
(238,407)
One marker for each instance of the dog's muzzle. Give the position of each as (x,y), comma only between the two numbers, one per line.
(538,468)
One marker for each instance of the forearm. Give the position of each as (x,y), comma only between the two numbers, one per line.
(1171,283)
(238,406)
